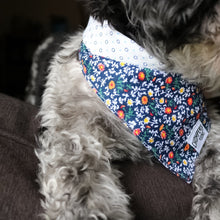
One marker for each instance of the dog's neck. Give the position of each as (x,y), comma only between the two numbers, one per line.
(104,40)
(164,111)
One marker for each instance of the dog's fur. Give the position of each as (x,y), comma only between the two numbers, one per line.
(80,136)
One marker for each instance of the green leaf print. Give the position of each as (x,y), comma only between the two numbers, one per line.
(129,114)
(176,83)
(148,74)
(119,85)
(153,108)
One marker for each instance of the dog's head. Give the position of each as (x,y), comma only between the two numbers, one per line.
(184,34)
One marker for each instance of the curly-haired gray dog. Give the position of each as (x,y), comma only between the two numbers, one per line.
(80,136)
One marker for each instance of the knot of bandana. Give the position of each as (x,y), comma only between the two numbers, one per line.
(164,111)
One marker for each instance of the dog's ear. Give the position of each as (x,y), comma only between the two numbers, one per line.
(168,23)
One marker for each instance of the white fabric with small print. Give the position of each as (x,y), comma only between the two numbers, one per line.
(104,41)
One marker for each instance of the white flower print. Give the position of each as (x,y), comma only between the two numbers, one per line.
(157,106)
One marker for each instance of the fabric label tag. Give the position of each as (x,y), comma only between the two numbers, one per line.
(197,136)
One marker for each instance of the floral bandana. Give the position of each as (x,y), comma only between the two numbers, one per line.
(164,111)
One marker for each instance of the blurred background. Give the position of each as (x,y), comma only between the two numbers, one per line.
(24,24)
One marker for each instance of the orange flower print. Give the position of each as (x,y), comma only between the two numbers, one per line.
(163,134)
(161,127)
(198,116)
(169,80)
(111,84)
(144,100)
(190,101)
(186,147)
(121,114)
(137,131)
(171,155)
(84,69)
(141,76)
(168,110)
(181,132)
(101,67)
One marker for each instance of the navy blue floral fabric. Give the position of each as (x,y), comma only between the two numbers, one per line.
(159,108)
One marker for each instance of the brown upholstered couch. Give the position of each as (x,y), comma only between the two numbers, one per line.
(156,194)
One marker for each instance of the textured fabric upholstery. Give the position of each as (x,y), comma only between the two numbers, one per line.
(155,192)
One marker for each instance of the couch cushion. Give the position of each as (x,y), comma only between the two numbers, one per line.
(18,164)
(155,192)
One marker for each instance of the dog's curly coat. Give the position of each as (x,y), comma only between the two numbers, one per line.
(80,136)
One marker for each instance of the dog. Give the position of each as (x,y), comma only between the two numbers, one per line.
(80,136)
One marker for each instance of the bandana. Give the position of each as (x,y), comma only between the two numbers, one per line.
(164,111)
